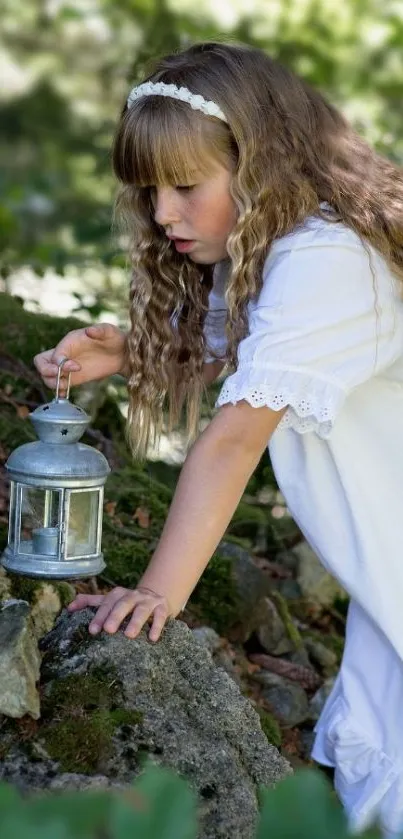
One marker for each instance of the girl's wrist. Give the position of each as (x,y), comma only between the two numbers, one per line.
(148,590)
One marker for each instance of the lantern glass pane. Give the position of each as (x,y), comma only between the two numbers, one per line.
(11,518)
(39,520)
(82,524)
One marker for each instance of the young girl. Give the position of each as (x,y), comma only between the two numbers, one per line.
(266,235)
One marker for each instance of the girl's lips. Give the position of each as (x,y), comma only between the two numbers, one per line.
(183,245)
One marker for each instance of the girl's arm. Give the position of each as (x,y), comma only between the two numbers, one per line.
(210,486)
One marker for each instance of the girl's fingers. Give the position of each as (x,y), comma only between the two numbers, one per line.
(114,609)
(81,601)
(46,364)
(98,330)
(141,614)
(115,606)
(159,620)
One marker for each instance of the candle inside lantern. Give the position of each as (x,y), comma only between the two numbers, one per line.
(45,541)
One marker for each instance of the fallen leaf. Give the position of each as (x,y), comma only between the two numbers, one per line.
(23,411)
(142,515)
(110,507)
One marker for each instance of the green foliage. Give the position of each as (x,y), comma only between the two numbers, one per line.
(270,727)
(301,806)
(57,184)
(284,612)
(160,805)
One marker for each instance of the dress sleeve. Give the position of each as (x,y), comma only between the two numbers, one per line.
(214,324)
(323,324)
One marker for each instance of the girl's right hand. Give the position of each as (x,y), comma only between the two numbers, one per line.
(94,352)
(142,603)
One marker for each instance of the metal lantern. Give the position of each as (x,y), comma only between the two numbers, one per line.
(56,500)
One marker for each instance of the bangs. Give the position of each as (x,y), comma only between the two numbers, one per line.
(163,141)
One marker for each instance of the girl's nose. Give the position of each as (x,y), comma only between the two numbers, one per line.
(166,206)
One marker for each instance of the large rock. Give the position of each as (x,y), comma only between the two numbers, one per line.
(19,661)
(109,702)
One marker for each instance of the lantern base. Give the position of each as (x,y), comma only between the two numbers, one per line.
(42,566)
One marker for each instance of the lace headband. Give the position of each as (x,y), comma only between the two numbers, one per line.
(198,103)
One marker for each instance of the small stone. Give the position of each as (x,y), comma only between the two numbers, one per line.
(208,637)
(287,699)
(317,702)
(320,654)
(315,582)
(289,589)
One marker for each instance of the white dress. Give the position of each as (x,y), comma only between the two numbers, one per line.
(326,339)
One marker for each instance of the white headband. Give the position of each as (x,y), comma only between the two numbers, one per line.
(198,103)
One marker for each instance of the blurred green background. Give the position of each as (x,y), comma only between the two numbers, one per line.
(65,69)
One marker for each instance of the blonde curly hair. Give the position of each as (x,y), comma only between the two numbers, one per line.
(289,150)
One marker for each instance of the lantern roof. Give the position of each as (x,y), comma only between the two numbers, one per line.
(52,461)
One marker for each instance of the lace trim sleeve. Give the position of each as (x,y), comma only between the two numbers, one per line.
(313,401)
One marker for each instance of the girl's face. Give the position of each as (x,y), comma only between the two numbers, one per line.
(198,218)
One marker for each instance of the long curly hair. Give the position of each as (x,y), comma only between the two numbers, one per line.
(289,150)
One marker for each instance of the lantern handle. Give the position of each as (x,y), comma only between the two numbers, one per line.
(59,373)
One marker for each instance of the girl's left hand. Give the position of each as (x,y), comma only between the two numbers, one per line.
(145,605)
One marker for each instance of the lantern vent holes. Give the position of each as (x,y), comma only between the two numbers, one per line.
(45,408)
(64,432)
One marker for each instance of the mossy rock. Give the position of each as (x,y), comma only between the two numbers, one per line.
(80,716)
(25,588)
(334,643)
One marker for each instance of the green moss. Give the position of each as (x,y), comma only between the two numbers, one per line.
(65,592)
(25,333)
(80,718)
(341,604)
(83,744)
(82,692)
(215,598)
(27,588)
(121,716)
(270,727)
(127,554)
(126,558)
(24,588)
(288,622)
